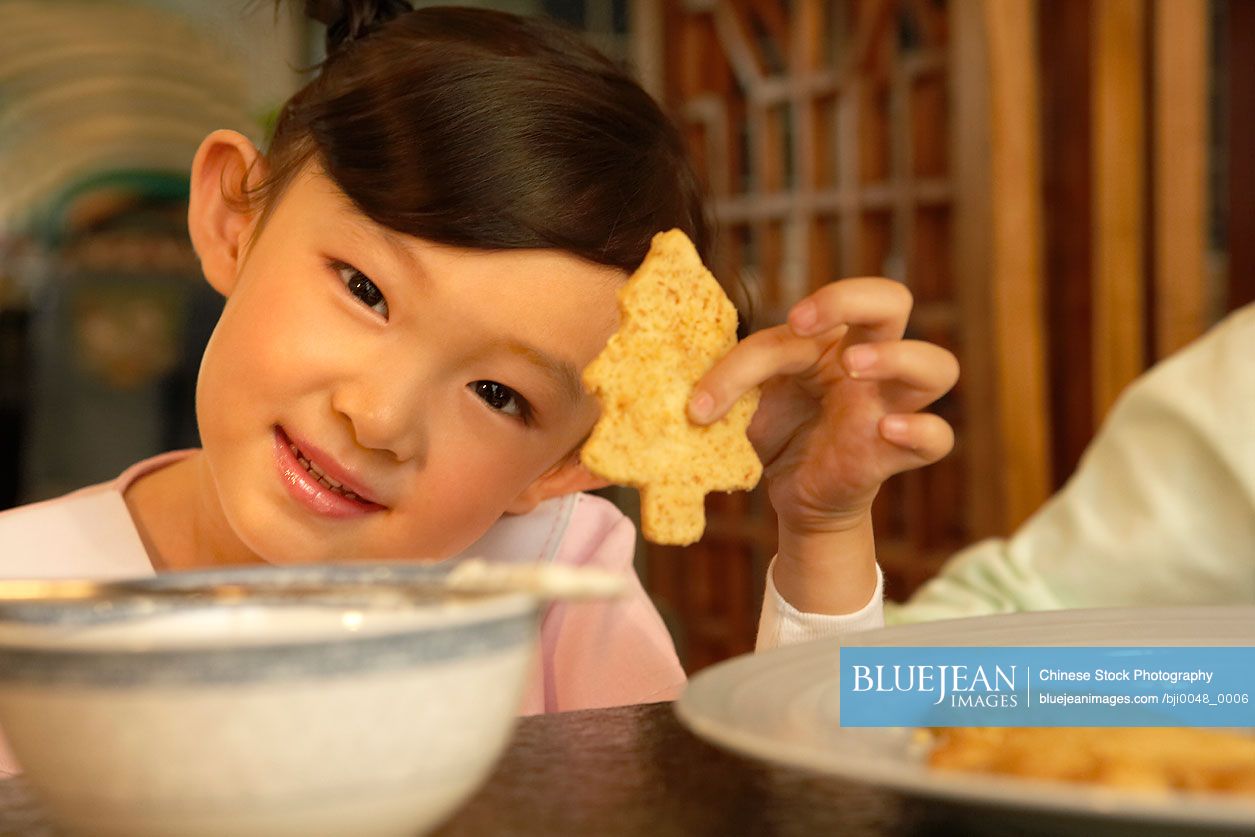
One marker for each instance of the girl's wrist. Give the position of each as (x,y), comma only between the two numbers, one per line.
(831,571)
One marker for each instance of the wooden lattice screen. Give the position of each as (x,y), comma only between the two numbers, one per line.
(1033,171)
(823,130)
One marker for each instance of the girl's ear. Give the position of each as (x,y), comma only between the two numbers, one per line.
(218,217)
(567,477)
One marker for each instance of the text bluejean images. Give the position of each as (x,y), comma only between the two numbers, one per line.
(1047,686)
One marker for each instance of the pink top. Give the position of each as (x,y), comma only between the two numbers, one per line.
(592,654)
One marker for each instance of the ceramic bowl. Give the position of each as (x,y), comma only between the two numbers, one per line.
(262,719)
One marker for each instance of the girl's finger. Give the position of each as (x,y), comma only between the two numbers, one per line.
(923,372)
(757,358)
(923,438)
(875,309)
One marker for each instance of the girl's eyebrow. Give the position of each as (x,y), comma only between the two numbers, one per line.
(564,373)
(367,230)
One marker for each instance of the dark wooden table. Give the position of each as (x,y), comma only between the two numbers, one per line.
(635,770)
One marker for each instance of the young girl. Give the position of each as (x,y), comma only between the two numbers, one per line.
(416,271)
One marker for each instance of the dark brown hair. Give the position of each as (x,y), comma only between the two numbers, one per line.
(483,129)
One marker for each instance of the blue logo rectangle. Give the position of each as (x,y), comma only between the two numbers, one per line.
(1047,687)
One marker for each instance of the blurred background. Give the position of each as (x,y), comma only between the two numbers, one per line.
(1067,187)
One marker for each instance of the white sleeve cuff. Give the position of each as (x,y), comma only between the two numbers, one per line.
(783,624)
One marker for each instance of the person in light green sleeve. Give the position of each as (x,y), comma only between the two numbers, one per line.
(1161,509)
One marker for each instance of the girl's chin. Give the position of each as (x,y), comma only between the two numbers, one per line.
(289,547)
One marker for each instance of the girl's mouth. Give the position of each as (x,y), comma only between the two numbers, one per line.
(311,484)
(326,481)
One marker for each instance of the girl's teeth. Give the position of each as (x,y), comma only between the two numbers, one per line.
(322,479)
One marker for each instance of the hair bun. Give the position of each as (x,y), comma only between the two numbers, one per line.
(348,20)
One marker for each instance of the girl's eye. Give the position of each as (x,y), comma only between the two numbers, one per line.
(501,398)
(360,286)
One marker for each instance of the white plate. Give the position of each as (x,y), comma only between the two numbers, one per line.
(783,705)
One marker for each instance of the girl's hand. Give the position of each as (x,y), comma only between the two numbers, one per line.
(839,414)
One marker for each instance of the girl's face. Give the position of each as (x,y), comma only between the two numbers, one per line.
(371,395)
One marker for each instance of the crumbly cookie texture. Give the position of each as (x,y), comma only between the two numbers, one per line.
(676,322)
(1162,759)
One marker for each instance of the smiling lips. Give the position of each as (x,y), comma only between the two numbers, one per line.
(305,474)
(327,481)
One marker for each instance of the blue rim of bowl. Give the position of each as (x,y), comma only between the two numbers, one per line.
(484,626)
(72,612)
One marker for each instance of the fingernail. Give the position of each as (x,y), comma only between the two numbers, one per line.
(859,358)
(701,406)
(803,316)
(893,427)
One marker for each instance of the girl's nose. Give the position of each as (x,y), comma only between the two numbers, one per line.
(384,415)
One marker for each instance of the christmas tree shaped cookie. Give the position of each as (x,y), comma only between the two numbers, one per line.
(675,323)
